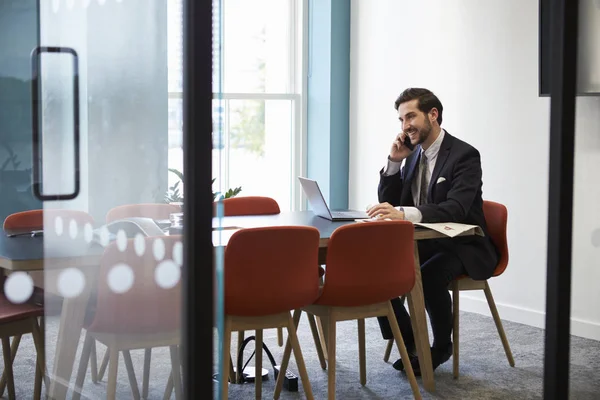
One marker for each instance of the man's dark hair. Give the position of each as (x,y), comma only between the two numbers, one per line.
(427,100)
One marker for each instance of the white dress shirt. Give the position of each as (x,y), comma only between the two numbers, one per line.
(413,214)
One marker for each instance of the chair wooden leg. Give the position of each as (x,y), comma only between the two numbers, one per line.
(494,310)
(362,352)
(258,342)
(286,356)
(113,369)
(176,372)
(323,324)
(292,327)
(225,357)
(280,336)
(37,383)
(388,350)
(103,365)
(169,388)
(316,339)
(455,329)
(146,376)
(8,367)
(403,353)
(83,364)
(13,351)
(239,375)
(135,390)
(331,327)
(40,370)
(232,377)
(94,363)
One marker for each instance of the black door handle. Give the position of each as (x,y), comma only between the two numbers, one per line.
(38,154)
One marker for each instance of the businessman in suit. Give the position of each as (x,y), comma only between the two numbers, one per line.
(438,181)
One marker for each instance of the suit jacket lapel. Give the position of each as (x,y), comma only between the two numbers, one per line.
(439,163)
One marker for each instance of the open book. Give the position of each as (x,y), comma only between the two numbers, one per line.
(452,229)
(449,229)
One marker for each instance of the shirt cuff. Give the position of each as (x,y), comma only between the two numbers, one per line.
(392,167)
(411,214)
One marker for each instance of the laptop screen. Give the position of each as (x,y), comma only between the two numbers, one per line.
(315,197)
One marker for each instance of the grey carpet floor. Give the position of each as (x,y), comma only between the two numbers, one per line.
(485,373)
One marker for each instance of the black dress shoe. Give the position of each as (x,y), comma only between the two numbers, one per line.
(412,354)
(438,357)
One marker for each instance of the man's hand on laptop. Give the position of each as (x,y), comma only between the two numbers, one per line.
(384,211)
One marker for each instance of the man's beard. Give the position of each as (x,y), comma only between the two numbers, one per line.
(425,132)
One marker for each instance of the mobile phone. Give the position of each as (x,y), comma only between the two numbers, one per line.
(408,143)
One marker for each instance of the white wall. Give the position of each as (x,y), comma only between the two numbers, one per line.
(481,59)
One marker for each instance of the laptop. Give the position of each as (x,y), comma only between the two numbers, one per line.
(320,207)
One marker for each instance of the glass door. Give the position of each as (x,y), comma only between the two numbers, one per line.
(92,119)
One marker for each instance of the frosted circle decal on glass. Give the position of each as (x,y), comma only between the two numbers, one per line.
(139,244)
(18,287)
(71,282)
(167,274)
(55,5)
(178,253)
(104,236)
(596,238)
(120,278)
(88,232)
(58,225)
(73,229)
(121,240)
(158,249)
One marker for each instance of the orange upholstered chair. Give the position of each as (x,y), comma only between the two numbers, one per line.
(155,211)
(288,256)
(368,264)
(143,316)
(496,217)
(26,221)
(250,205)
(17,320)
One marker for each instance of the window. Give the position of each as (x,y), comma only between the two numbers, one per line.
(257,110)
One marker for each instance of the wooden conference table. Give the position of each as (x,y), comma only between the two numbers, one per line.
(30,254)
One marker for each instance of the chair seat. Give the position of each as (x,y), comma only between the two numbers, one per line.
(10,312)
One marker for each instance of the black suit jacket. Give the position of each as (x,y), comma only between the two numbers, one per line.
(456,199)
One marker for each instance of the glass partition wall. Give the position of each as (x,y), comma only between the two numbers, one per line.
(92,155)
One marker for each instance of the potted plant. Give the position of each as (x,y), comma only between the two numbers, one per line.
(175,195)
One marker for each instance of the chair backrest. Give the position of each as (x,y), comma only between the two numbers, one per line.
(496,218)
(250,205)
(147,210)
(271,270)
(138,294)
(34,219)
(369,263)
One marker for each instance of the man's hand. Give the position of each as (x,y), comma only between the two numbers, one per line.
(399,151)
(385,210)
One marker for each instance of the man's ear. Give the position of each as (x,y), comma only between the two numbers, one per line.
(433,114)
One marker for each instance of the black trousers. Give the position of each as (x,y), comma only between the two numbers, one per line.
(439,267)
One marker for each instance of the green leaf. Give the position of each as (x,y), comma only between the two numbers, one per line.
(233,192)
(177,172)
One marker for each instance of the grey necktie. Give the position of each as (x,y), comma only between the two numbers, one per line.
(424,168)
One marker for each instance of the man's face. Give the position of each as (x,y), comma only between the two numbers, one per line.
(415,123)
